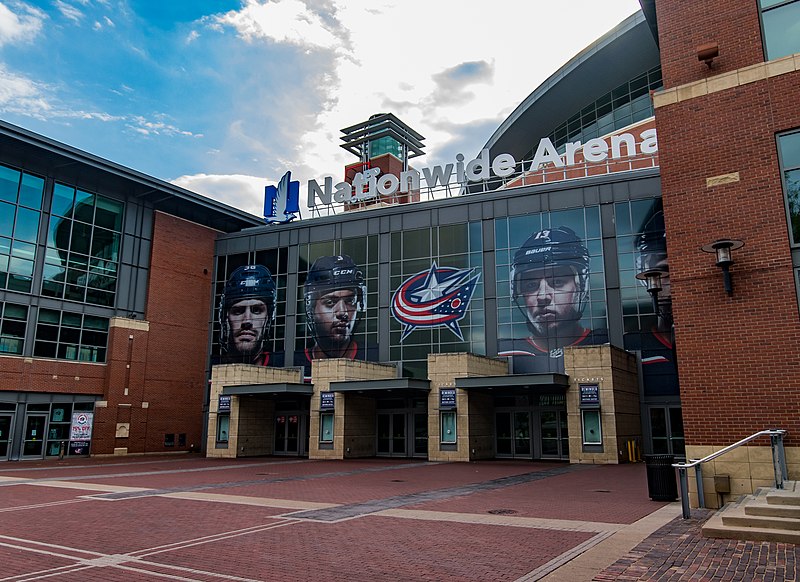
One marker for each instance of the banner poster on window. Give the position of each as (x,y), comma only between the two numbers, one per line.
(334,295)
(435,297)
(246,318)
(649,330)
(81,427)
(551,265)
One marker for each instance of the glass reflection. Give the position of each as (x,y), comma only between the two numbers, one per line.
(83,252)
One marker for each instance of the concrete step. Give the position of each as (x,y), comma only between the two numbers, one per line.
(762,516)
(773,510)
(789,495)
(759,521)
(716,530)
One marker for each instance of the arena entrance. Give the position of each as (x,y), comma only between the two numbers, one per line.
(528,413)
(389,417)
(402,427)
(291,427)
(531,427)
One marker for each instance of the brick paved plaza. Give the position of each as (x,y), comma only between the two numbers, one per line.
(191,518)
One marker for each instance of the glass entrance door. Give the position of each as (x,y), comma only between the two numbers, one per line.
(420,434)
(33,445)
(392,434)
(531,428)
(554,440)
(513,430)
(666,431)
(291,433)
(5,436)
(402,427)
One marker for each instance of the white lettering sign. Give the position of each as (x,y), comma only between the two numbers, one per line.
(369,184)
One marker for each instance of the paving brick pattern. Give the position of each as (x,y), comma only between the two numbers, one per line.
(195,519)
(678,552)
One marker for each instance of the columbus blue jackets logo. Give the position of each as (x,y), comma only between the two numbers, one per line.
(437,297)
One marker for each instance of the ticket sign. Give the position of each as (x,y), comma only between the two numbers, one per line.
(590,395)
(224,403)
(326,400)
(447,398)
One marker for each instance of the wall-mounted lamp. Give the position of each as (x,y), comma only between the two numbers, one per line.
(722,248)
(707,53)
(652,279)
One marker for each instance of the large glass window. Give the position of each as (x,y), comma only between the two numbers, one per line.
(20,211)
(626,104)
(337,301)
(641,248)
(385,145)
(71,336)
(640,229)
(551,289)
(13,319)
(780,20)
(250,322)
(437,294)
(789,150)
(83,245)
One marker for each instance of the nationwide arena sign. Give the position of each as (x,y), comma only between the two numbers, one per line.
(369,184)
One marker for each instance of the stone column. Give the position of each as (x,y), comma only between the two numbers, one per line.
(354,414)
(474,410)
(615,373)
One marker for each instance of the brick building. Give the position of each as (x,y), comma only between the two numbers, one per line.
(648,345)
(728,123)
(104,301)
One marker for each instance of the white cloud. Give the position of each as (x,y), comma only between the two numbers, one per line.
(284,21)
(22,25)
(241,191)
(69,11)
(146,126)
(434,64)
(19,94)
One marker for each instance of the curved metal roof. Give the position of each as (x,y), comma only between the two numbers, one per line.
(624,52)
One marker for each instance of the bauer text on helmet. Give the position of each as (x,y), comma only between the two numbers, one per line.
(550,280)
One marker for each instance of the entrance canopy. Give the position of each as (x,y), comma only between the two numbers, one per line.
(382,387)
(269,389)
(516,383)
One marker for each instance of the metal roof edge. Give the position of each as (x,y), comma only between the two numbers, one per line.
(81,156)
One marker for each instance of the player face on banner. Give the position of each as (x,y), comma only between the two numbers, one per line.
(335,297)
(246,315)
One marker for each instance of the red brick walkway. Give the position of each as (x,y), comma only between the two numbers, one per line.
(678,552)
(195,519)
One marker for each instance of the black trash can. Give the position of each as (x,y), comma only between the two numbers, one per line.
(661,483)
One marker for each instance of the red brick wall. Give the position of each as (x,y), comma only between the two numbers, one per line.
(178,307)
(739,356)
(164,367)
(684,26)
(37,375)
(126,347)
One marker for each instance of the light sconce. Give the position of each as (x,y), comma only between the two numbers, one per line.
(707,53)
(722,248)
(652,279)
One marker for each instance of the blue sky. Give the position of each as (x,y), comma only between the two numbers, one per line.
(223,96)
